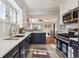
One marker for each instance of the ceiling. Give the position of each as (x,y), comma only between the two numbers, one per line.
(42,7)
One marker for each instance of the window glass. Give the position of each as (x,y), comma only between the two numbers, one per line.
(2,10)
(13,15)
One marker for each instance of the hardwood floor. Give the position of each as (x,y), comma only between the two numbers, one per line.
(50,40)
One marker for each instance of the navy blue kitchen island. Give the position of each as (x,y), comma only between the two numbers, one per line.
(38,38)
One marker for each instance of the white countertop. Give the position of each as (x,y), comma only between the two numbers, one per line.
(7,45)
(75,39)
(37,31)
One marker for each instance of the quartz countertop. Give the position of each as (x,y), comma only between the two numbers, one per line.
(7,45)
(37,31)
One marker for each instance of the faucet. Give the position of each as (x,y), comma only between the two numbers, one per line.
(12,28)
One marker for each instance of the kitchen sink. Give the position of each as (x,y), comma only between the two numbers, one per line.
(19,36)
(11,39)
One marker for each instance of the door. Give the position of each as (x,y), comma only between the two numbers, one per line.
(54,30)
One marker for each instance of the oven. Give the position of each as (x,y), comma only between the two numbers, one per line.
(59,45)
(62,45)
(65,48)
(74,49)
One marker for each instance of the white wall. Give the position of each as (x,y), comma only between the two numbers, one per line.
(66,6)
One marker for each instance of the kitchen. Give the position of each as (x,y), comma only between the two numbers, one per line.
(32,26)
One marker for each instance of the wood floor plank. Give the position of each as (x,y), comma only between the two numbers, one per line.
(50,40)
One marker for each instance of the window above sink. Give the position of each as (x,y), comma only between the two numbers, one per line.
(2,10)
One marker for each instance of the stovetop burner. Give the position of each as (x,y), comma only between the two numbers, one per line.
(67,35)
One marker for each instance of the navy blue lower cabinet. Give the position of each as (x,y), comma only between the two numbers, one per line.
(22,49)
(38,38)
(22,52)
(27,43)
(26,49)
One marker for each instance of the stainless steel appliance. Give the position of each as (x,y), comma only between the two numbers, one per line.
(74,49)
(62,45)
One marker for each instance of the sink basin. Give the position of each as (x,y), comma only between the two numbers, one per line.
(19,36)
(11,39)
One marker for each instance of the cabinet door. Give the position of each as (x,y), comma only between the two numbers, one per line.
(27,42)
(17,55)
(38,38)
(26,49)
(22,52)
(33,38)
(41,38)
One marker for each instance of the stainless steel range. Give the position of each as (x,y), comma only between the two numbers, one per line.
(65,45)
